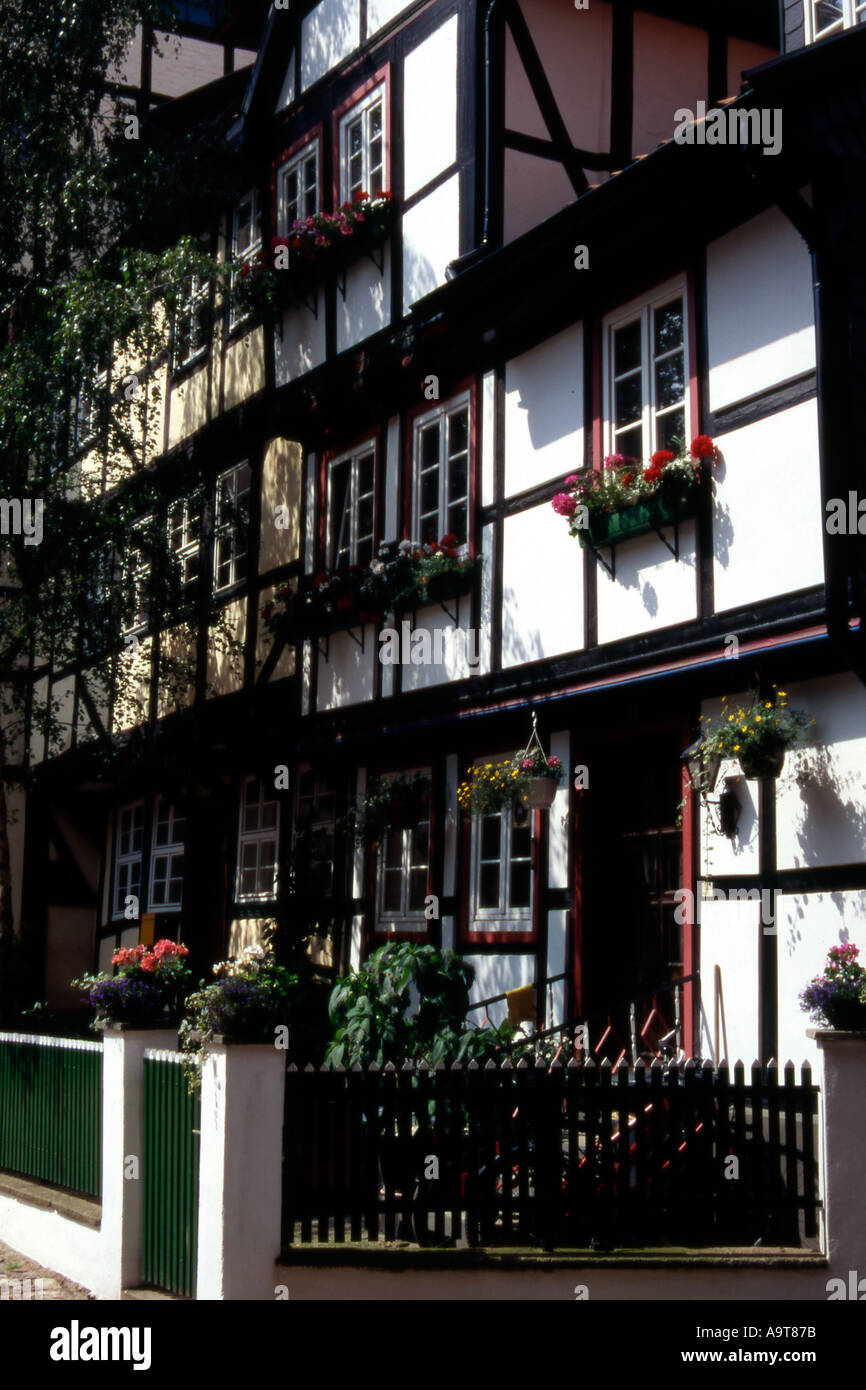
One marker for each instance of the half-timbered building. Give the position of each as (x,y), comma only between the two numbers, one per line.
(576,260)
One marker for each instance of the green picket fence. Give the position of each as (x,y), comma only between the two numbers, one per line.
(170,1175)
(51,1110)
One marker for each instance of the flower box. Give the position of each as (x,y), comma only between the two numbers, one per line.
(608,528)
(437,588)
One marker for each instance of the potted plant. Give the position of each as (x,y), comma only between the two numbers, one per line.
(147,990)
(624,499)
(757,733)
(247,1001)
(838,997)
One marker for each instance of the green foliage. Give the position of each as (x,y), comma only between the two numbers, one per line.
(371,1018)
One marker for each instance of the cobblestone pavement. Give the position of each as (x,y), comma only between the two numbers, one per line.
(15,1267)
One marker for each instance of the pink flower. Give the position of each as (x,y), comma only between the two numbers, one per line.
(527,762)
(553,762)
(614,460)
(321,240)
(564,504)
(359,216)
(572,479)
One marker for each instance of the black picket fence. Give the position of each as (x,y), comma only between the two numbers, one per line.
(563,1157)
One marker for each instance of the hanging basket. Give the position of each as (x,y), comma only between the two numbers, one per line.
(540,793)
(765,761)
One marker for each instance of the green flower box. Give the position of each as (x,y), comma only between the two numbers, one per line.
(609,528)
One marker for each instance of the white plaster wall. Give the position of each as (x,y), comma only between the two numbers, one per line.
(329,33)
(184,63)
(488,547)
(730,938)
(302,343)
(431,238)
(287,91)
(759,308)
(767,517)
(488,418)
(74,1250)
(494,975)
(346,677)
(392,475)
(430,140)
(716,853)
(544,411)
(542,588)
(808,925)
(575,48)
(367,305)
(535,189)
(670,71)
(651,590)
(742,56)
(381,12)
(824,821)
(557,819)
(456,647)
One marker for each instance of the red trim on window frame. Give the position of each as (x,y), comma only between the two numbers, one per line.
(467,938)
(382,76)
(315,133)
(405,505)
(377,437)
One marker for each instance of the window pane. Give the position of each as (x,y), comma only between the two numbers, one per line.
(629,402)
(394,849)
(630,443)
(490,835)
(520,885)
(670,381)
(429,445)
(366,473)
(457,475)
(521,841)
(670,430)
(626,348)
(391,895)
(669,326)
(430,493)
(489,891)
(269,815)
(417,889)
(458,432)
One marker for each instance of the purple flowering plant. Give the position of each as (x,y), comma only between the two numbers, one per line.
(838,996)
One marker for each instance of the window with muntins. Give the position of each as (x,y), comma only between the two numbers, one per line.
(184,537)
(362,148)
(231,539)
(826,17)
(192,321)
(646,377)
(298,188)
(129,846)
(89,407)
(135,571)
(352,508)
(246,243)
(502,873)
(403,876)
(258,839)
(441,473)
(314,831)
(166,856)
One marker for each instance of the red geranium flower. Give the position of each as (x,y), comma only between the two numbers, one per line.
(629,477)
(702,447)
(652,474)
(362,196)
(661,457)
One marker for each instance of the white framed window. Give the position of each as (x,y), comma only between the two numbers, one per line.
(403,876)
(646,353)
(166,857)
(258,839)
(128,850)
(826,17)
(184,537)
(231,537)
(246,243)
(298,188)
(314,831)
(352,508)
(502,874)
(362,147)
(135,579)
(89,405)
(192,321)
(440,456)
